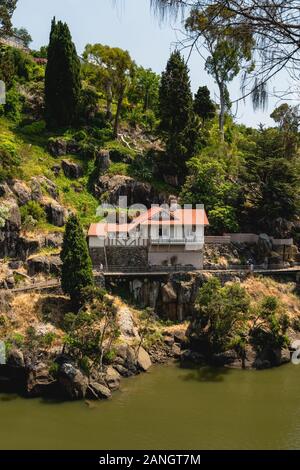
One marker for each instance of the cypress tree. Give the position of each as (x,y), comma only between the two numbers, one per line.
(62,79)
(176,114)
(175,96)
(203,105)
(77,266)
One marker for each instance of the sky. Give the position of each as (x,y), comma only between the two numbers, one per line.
(131,25)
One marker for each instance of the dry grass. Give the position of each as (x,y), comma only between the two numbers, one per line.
(285,292)
(34,310)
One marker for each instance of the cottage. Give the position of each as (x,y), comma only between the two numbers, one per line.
(157,237)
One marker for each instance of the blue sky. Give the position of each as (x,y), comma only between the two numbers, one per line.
(132,26)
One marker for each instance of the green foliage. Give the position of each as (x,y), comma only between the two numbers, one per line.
(229,49)
(110,70)
(223,219)
(7,66)
(9,158)
(143,167)
(7,8)
(34,210)
(119,152)
(77,267)
(35,128)
(222,314)
(270,324)
(203,105)
(271,186)
(23,34)
(4,213)
(118,169)
(176,113)
(93,330)
(14,104)
(62,80)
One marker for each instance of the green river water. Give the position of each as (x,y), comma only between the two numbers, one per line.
(167,408)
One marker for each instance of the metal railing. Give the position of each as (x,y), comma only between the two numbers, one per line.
(148,269)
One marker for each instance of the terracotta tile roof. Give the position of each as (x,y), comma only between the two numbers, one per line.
(178,217)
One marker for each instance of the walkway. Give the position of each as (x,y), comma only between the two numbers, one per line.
(129,273)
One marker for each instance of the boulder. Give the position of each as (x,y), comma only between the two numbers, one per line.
(41,182)
(72,382)
(56,170)
(21,191)
(9,234)
(71,169)
(143,359)
(39,381)
(168,293)
(44,264)
(26,246)
(264,246)
(136,192)
(112,378)
(98,391)
(56,214)
(57,147)
(5,191)
(102,160)
(15,358)
(53,240)
(13,220)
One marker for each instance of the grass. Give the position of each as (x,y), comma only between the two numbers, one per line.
(35,161)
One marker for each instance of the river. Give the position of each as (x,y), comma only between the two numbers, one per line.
(167,408)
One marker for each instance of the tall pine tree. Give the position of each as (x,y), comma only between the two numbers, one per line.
(176,113)
(77,266)
(203,105)
(62,80)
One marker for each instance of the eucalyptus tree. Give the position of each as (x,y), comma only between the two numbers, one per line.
(228,51)
(275,26)
(112,68)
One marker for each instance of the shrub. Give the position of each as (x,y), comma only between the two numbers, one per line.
(88,150)
(35,128)
(53,369)
(80,135)
(102,135)
(119,168)
(143,167)
(14,104)
(34,210)
(9,159)
(120,153)
(48,339)
(223,219)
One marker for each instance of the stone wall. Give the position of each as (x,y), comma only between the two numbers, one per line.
(123,256)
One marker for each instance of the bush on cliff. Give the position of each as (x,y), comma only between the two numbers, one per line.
(221,315)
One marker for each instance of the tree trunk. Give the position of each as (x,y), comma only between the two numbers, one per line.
(222,112)
(109,101)
(118,113)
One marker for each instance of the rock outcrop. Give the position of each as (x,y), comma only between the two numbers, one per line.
(71,169)
(136,192)
(56,214)
(44,264)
